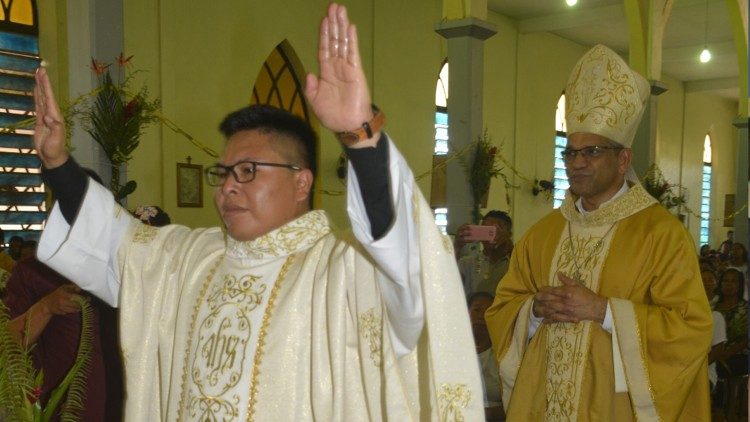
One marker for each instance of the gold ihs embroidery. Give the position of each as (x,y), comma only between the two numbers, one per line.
(219,358)
(370,329)
(453,398)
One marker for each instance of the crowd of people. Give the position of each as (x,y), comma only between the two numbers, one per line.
(725,274)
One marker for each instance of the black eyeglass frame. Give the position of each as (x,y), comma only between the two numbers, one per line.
(230,169)
(592,151)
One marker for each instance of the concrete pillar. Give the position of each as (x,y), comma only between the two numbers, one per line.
(644,144)
(95,29)
(465,85)
(741,191)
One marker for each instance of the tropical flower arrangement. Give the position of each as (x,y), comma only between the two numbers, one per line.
(668,194)
(485,166)
(21,384)
(115,116)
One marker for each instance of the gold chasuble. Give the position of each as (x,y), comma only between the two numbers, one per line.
(653,364)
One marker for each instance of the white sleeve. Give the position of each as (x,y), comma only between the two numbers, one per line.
(534,322)
(396,253)
(86,252)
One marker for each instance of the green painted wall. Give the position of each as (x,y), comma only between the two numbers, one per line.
(202,59)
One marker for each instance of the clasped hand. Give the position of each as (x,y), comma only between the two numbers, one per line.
(571,302)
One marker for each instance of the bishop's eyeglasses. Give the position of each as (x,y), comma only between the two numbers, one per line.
(570,154)
(243,171)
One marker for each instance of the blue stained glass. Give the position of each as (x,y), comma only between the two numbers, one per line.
(19,43)
(441,118)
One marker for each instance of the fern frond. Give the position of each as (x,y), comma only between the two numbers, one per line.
(16,374)
(74,384)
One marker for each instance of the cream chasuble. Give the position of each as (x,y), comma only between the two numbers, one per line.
(640,257)
(299,324)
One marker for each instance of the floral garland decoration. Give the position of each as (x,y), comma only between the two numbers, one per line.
(668,194)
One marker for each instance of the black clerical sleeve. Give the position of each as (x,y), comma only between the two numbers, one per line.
(371,166)
(68,183)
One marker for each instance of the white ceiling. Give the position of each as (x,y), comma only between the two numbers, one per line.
(592,22)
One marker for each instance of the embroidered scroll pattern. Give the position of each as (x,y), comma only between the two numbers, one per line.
(632,201)
(370,329)
(452,399)
(568,343)
(219,359)
(144,234)
(291,237)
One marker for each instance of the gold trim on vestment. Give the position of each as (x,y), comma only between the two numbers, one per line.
(636,373)
(196,309)
(631,202)
(262,338)
(453,398)
(371,330)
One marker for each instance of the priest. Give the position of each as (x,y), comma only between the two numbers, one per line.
(273,316)
(601,316)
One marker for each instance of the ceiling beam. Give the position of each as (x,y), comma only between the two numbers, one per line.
(585,17)
(572,19)
(676,54)
(712,84)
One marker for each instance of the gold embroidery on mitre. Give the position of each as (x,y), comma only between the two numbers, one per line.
(583,253)
(452,399)
(370,329)
(144,233)
(221,347)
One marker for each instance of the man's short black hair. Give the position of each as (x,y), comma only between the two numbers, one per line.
(273,120)
(502,216)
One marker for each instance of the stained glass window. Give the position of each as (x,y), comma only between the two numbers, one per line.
(706,191)
(278,85)
(561,141)
(22,193)
(441,140)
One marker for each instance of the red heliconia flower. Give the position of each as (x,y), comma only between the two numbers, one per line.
(122,61)
(34,395)
(131,108)
(98,67)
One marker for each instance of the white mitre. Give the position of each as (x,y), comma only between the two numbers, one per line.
(605,96)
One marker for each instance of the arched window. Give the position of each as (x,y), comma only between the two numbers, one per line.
(561,140)
(437,197)
(22,193)
(277,83)
(706,191)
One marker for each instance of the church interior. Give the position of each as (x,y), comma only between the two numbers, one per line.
(446,73)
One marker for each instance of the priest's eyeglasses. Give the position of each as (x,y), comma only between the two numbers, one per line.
(570,154)
(243,171)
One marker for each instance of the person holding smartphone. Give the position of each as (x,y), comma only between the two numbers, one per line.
(482,267)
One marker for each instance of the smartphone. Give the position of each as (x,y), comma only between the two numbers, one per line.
(481,233)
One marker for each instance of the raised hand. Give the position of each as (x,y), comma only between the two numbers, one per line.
(49,131)
(339,96)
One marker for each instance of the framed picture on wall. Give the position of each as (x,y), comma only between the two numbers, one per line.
(189,185)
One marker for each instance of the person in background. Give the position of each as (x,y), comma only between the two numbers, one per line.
(482,268)
(152,215)
(28,249)
(493,407)
(14,247)
(718,343)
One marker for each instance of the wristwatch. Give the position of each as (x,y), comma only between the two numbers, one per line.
(350,138)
